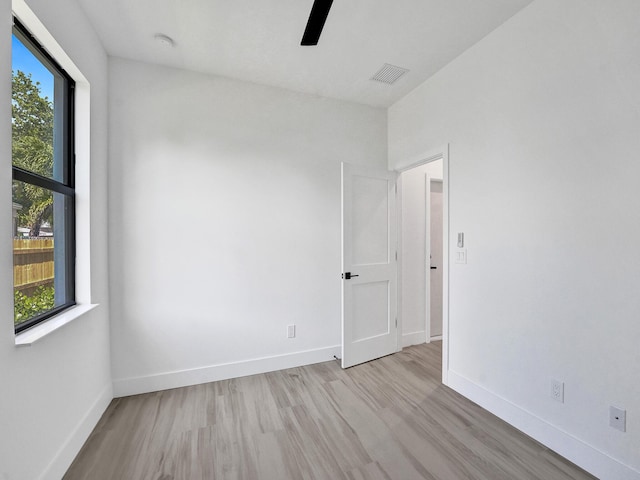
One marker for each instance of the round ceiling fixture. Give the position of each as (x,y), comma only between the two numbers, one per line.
(164,40)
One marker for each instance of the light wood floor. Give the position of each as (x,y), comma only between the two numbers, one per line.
(387,419)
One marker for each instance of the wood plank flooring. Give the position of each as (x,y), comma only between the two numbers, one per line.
(386,419)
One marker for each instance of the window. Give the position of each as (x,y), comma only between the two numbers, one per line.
(43,183)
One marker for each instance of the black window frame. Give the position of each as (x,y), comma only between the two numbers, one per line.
(65,187)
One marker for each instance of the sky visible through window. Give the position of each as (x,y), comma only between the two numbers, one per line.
(22,59)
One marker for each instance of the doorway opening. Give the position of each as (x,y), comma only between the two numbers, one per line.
(423,253)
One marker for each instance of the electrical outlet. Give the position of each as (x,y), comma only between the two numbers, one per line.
(618,418)
(557,390)
(291,331)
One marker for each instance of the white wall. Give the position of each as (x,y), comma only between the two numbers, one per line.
(54,391)
(412,252)
(532,113)
(225,223)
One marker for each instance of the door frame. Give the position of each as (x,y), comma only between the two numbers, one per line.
(441,153)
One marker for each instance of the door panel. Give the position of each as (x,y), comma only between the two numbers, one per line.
(369,328)
(370,301)
(370,240)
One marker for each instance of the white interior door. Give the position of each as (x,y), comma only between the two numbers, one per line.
(369,266)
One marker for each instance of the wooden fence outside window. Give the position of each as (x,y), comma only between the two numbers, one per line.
(32,264)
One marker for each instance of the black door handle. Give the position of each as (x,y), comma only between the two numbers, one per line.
(348,276)
(433,268)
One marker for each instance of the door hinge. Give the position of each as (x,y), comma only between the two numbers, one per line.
(396,323)
(396,256)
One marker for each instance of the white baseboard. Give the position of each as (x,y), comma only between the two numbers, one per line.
(183,378)
(436,338)
(414,338)
(70,448)
(585,456)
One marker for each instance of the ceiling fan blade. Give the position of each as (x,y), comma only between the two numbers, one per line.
(317,17)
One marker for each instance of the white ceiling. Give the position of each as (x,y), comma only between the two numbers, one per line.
(259,40)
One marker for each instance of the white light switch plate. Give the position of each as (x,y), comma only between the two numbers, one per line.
(461,256)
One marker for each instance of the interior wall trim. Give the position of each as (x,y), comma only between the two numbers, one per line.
(582,454)
(413,338)
(183,378)
(71,447)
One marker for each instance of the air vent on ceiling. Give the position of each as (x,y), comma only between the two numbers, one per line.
(389,74)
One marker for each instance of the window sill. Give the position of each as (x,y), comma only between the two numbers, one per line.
(29,337)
